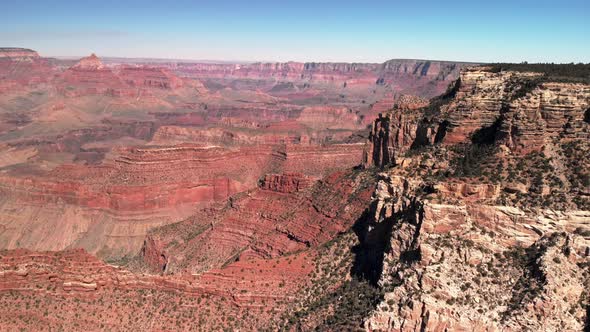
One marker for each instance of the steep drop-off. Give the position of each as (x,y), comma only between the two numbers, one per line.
(467,229)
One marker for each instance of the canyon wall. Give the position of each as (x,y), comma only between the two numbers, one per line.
(22,68)
(286,214)
(473,267)
(108,208)
(90,76)
(478,219)
(487,106)
(421,77)
(18,53)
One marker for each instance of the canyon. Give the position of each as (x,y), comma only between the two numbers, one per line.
(403,196)
(96,155)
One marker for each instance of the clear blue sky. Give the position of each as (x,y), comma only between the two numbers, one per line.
(352,31)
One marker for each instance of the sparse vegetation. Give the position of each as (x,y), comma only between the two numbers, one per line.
(552,72)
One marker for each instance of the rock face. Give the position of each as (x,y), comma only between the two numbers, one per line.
(466,231)
(285,183)
(137,190)
(285,215)
(487,106)
(523,120)
(329,117)
(150,77)
(91,62)
(471,267)
(142,188)
(381,148)
(15,53)
(321,160)
(395,133)
(459,236)
(89,77)
(407,76)
(533,126)
(22,68)
(283,133)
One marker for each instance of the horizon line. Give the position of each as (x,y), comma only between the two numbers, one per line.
(237,61)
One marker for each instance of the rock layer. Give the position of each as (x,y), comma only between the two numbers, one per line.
(487,106)
(280,218)
(472,267)
(408,76)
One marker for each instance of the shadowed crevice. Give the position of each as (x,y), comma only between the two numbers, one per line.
(587,324)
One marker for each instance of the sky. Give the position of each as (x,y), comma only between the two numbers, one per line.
(344,31)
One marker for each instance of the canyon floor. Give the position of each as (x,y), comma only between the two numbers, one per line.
(410,195)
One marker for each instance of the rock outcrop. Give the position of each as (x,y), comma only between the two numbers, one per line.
(285,183)
(15,53)
(91,62)
(488,106)
(149,77)
(22,68)
(523,115)
(471,267)
(89,77)
(394,133)
(468,231)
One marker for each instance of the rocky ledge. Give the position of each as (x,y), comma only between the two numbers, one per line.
(472,266)
(15,53)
